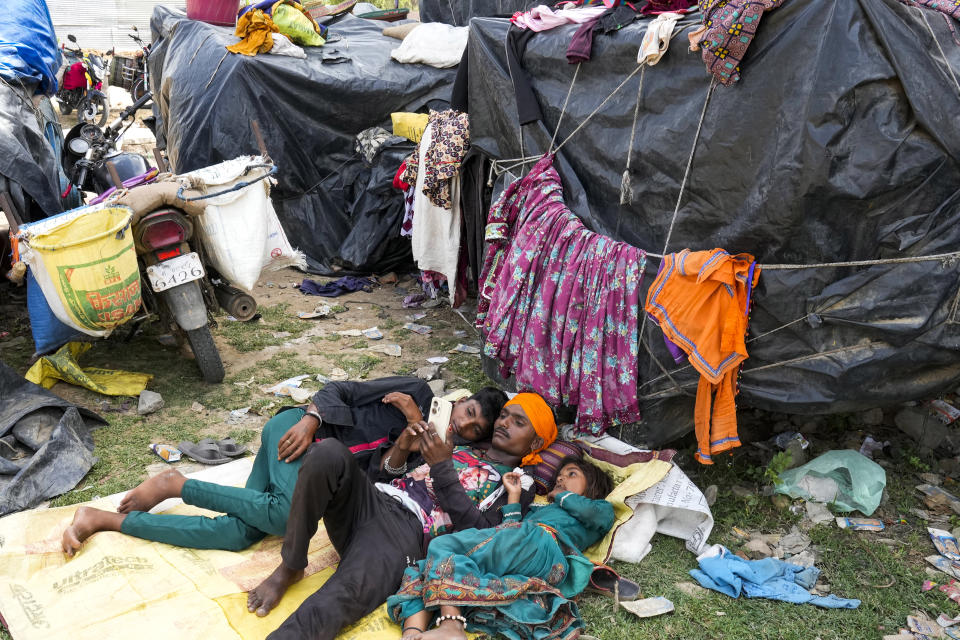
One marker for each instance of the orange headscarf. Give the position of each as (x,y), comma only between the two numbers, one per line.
(541,417)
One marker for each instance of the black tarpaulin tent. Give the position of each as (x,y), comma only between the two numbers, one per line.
(840,143)
(333,206)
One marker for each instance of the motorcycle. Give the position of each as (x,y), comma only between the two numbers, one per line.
(141,81)
(181,290)
(81,85)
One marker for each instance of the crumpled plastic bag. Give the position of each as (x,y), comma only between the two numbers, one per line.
(62,365)
(846,478)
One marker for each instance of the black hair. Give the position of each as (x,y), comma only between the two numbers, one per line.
(599,482)
(491,401)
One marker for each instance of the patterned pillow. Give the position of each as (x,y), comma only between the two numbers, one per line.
(545,473)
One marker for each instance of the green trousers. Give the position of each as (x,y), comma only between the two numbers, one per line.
(259,509)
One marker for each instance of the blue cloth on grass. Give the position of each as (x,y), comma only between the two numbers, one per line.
(767,578)
(346,284)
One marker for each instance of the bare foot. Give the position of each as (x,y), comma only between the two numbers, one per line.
(153,491)
(267,594)
(86,522)
(448,630)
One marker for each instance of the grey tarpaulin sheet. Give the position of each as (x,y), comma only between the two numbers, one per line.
(309,111)
(46,444)
(459,12)
(841,142)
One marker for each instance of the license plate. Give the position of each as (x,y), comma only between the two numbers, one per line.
(175,271)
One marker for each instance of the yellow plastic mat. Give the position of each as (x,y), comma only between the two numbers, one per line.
(62,365)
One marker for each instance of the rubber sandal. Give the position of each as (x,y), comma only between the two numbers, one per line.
(607,581)
(230,448)
(205,452)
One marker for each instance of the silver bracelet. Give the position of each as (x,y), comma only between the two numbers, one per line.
(394,471)
(314,414)
(459,619)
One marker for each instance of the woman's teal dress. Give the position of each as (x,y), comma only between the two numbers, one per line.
(515,580)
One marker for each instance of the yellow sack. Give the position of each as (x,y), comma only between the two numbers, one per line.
(409,125)
(85,263)
(295,23)
(63,366)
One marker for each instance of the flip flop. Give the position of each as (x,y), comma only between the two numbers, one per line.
(230,448)
(607,581)
(206,451)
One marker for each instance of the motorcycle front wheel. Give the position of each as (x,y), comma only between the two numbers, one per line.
(139,88)
(93,109)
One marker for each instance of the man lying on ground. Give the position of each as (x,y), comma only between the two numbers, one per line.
(379,529)
(367,416)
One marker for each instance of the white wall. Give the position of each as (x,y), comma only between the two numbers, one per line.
(104,24)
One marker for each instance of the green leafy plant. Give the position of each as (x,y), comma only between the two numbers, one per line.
(778,464)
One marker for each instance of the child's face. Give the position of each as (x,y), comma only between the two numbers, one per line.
(571,478)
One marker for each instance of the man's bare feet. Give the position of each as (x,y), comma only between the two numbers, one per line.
(153,491)
(448,630)
(265,596)
(86,522)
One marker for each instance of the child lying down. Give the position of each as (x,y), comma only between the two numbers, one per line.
(515,580)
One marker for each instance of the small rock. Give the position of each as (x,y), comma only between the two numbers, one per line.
(781,501)
(150,401)
(196,407)
(807,558)
(798,455)
(822,588)
(711,495)
(691,589)
(339,375)
(758,549)
(794,542)
(931,478)
(437,386)
(921,513)
(282,286)
(818,512)
(741,491)
(873,417)
(428,372)
(921,426)
(270,285)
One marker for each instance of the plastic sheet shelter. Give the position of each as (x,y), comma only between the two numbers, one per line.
(459,12)
(333,206)
(840,143)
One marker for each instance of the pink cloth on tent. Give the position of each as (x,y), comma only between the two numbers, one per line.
(543,18)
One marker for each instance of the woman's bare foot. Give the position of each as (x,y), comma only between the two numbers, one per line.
(153,491)
(448,630)
(413,626)
(86,522)
(267,594)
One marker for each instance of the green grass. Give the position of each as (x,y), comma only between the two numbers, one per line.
(358,366)
(254,336)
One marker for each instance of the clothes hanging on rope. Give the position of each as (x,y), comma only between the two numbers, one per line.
(543,18)
(559,303)
(656,40)
(581,45)
(701,301)
(729,27)
(441,156)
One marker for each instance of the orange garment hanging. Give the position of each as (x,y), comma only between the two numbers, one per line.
(701,301)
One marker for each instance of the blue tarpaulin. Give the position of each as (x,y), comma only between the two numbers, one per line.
(28,45)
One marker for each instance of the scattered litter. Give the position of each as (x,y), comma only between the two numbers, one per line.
(758,548)
(237,415)
(373,333)
(939,500)
(807,558)
(459,333)
(817,512)
(946,621)
(740,533)
(438,360)
(861,524)
(946,412)
(432,304)
(349,333)
(931,478)
(952,591)
(945,565)
(196,407)
(921,514)
(945,543)
(794,542)
(282,388)
(844,477)
(322,379)
(413,301)
(428,372)
(264,410)
(871,446)
(783,440)
(465,348)
(648,607)
(414,317)
(339,375)
(149,402)
(924,626)
(421,329)
(167,452)
(389,349)
(321,311)
(901,636)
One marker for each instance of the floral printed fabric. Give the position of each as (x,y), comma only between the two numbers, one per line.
(560,304)
(478,477)
(948,7)
(730,28)
(447,147)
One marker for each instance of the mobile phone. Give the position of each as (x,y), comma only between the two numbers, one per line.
(440,413)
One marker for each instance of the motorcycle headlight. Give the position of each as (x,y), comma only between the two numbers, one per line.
(78,146)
